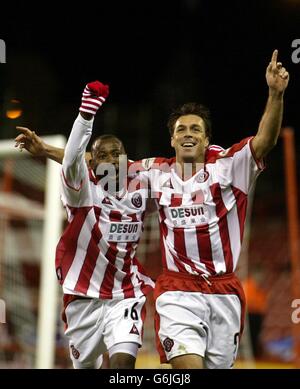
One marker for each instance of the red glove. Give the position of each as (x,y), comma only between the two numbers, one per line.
(93,97)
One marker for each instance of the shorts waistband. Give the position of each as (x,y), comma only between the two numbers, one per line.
(199,277)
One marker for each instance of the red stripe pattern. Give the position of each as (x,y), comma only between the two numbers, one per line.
(241,202)
(93,97)
(202,219)
(204,247)
(221,212)
(111,255)
(67,246)
(180,248)
(89,264)
(92,253)
(163,234)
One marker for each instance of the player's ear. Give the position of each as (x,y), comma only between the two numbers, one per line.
(91,163)
(172,141)
(206,142)
(88,158)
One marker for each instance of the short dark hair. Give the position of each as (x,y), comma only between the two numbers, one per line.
(191,109)
(105,137)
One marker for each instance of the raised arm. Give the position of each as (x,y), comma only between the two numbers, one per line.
(269,127)
(74,166)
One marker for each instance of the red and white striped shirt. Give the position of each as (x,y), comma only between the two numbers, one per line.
(202,219)
(95,256)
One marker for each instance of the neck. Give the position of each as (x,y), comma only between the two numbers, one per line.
(186,168)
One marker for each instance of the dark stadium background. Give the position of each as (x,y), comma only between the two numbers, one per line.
(155,55)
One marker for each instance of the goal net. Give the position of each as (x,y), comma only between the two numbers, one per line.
(31,219)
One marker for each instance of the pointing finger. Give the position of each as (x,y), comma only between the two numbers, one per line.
(274,58)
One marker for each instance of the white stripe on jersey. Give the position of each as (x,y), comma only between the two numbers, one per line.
(216,244)
(169,259)
(215,147)
(84,237)
(121,247)
(98,273)
(192,250)
(233,224)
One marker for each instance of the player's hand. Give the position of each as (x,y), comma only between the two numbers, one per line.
(93,96)
(29,141)
(276,75)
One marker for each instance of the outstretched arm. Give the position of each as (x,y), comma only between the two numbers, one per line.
(269,128)
(35,145)
(31,142)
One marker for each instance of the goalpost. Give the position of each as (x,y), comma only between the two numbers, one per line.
(31,225)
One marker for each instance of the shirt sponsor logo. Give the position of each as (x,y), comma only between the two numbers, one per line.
(188,216)
(124,232)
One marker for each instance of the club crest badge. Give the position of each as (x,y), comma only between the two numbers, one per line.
(168,344)
(75,352)
(137,200)
(202,176)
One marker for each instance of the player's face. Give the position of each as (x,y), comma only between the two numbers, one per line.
(189,138)
(107,151)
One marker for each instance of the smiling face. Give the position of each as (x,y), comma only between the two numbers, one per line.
(189,139)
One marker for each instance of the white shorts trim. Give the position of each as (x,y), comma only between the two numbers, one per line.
(126,348)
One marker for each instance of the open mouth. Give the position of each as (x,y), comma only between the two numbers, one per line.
(188,145)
